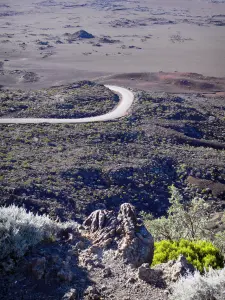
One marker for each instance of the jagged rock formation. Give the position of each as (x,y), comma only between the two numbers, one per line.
(166,273)
(174,269)
(123,233)
(119,243)
(108,257)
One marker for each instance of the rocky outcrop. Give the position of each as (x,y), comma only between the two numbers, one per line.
(124,233)
(174,269)
(70,295)
(166,273)
(96,260)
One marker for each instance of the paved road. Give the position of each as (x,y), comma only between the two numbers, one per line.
(127,98)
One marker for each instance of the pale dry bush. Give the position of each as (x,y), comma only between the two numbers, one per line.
(210,286)
(20,230)
(184,221)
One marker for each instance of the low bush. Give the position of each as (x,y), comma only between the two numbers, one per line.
(20,230)
(201,254)
(210,286)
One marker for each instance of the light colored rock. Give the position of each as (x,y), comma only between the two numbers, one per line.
(211,119)
(164,274)
(174,269)
(122,233)
(71,295)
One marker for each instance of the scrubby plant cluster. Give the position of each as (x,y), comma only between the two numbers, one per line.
(195,286)
(219,241)
(20,230)
(187,221)
(82,99)
(133,159)
(201,254)
(219,238)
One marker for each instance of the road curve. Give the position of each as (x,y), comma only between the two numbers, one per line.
(127,98)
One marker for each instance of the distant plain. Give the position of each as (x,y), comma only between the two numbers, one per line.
(129,36)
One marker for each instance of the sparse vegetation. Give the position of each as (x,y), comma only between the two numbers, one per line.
(210,285)
(69,170)
(184,220)
(71,101)
(52,175)
(21,230)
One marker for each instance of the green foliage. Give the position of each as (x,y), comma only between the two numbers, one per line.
(201,254)
(187,221)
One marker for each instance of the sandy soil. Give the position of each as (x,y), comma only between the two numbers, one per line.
(37,47)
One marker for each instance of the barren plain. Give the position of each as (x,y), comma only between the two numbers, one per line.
(40,47)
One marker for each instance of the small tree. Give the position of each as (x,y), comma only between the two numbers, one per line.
(219,238)
(187,221)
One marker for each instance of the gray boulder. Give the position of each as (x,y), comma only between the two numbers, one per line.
(166,273)
(174,269)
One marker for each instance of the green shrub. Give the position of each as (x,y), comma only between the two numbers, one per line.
(201,254)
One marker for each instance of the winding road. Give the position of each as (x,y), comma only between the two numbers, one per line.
(127,98)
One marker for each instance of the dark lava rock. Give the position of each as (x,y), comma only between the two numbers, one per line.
(81,34)
(107,40)
(43,43)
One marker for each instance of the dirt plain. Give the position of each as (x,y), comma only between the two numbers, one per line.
(39,47)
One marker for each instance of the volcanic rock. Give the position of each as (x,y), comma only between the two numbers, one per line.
(81,34)
(174,269)
(124,233)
